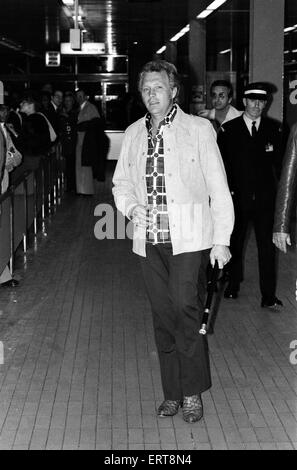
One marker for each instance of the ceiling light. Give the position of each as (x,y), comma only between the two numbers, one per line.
(225,51)
(204,14)
(68,3)
(211,8)
(181,33)
(162,49)
(216,4)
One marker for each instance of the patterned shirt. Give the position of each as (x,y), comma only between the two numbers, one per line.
(158,231)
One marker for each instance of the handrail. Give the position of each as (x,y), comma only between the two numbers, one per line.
(13,186)
(32,194)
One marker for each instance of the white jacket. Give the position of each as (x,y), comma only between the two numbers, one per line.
(231,114)
(198,199)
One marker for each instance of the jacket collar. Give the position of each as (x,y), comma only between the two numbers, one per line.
(180,121)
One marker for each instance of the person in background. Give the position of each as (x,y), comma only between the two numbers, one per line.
(170,180)
(221,93)
(15,118)
(48,110)
(68,134)
(15,135)
(57,100)
(36,134)
(91,148)
(10,158)
(251,147)
(48,87)
(286,194)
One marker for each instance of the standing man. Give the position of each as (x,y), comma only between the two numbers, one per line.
(170,181)
(92,146)
(251,150)
(54,109)
(221,93)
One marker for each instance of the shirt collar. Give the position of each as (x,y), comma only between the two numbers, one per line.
(168,119)
(250,121)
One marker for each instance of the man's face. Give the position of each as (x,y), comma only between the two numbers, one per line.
(253,107)
(45,101)
(3,113)
(157,94)
(81,97)
(219,97)
(26,107)
(68,102)
(58,98)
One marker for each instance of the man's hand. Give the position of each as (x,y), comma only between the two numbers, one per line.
(281,240)
(139,216)
(221,253)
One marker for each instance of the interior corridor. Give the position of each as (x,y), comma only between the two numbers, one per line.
(80,365)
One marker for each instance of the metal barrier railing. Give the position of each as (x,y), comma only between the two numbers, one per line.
(32,196)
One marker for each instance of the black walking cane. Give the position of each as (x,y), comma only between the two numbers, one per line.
(211,286)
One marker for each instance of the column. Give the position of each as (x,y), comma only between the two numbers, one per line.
(267,48)
(197,65)
(171,53)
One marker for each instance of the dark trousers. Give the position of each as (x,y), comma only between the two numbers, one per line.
(177,305)
(263,225)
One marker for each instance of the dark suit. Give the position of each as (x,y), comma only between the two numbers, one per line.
(253,166)
(52,115)
(36,135)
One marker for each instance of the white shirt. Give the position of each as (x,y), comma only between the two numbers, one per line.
(231,114)
(249,122)
(54,105)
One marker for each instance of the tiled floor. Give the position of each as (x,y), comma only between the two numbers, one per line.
(80,365)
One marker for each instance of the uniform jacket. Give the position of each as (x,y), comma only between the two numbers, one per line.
(252,165)
(287,185)
(199,202)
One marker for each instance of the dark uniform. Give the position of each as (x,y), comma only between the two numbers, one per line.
(253,165)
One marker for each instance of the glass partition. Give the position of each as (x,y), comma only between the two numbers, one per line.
(227,46)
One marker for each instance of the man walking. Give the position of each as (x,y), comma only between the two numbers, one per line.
(170,181)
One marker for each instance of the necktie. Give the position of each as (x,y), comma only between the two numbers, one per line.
(254,129)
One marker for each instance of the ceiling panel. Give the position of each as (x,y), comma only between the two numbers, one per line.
(41,24)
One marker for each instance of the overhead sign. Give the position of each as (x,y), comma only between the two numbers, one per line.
(52,59)
(87,48)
